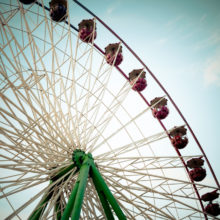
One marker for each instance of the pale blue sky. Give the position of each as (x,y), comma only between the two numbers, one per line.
(180,42)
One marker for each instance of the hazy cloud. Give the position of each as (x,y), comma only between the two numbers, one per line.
(213,39)
(110,10)
(162,41)
(174,21)
(203,18)
(212,70)
(113,7)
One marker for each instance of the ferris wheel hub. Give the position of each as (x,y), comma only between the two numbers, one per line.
(79,157)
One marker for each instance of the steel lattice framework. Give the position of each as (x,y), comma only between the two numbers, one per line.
(58,94)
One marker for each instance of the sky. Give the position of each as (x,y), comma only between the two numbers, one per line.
(180,42)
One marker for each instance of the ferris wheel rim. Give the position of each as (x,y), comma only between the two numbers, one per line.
(126,78)
(158,82)
(167,94)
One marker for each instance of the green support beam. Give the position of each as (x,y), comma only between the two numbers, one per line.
(71,201)
(75,201)
(104,201)
(39,210)
(95,174)
(83,176)
(62,172)
(41,206)
(58,209)
(85,166)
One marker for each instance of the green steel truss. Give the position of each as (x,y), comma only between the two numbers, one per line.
(86,167)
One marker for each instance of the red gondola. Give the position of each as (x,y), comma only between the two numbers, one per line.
(213,209)
(159,108)
(195,162)
(113,54)
(198,174)
(137,80)
(58,10)
(87,30)
(178,137)
(208,197)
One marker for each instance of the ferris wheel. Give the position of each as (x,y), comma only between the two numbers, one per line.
(87,130)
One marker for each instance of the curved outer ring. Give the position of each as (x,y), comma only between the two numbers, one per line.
(164,90)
